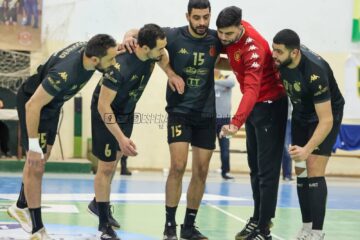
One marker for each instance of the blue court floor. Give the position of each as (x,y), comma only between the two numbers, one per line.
(138,203)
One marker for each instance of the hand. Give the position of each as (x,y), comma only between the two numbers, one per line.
(298,153)
(121,49)
(128,147)
(176,83)
(35,159)
(1,104)
(228,131)
(129,43)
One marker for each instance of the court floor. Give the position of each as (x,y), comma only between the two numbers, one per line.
(138,203)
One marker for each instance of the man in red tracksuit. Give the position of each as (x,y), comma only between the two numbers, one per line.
(263,109)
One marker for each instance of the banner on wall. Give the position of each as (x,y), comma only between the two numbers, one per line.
(356,22)
(20,24)
(352,87)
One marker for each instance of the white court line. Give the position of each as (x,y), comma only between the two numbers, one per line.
(239,219)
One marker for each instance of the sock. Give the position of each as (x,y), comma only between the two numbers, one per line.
(21,202)
(190,217)
(103,208)
(170,216)
(304,199)
(307,226)
(35,214)
(318,196)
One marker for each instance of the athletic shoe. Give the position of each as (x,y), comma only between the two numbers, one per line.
(170,233)
(191,233)
(22,216)
(92,208)
(40,235)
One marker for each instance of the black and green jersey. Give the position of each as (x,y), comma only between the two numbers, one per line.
(193,59)
(311,82)
(62,76)
(128,77)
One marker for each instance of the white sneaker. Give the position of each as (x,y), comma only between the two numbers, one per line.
(304,234)
(22,216)
(317,236)
(40,235)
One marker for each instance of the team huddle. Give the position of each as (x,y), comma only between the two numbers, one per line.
(188,55)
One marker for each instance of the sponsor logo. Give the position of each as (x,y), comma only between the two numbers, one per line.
(212,51)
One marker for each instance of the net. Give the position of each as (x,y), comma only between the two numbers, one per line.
(14,69)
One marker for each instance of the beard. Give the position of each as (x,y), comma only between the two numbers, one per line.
(285,63)
(200,30)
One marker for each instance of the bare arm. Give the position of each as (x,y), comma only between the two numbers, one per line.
(176,83)
(106,97)
(33,108)
(324,113)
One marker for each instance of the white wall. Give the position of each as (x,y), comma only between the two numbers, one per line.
(324,26)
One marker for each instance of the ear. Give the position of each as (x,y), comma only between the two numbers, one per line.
(95,60)
(295,52)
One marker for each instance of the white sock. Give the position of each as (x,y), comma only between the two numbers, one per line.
(317,232)
(307,226)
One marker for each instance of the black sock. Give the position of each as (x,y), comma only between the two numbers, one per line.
(318,196)
(170,216)
(103,208)
(190,217)
(21,202)
(304,199)
(35,214)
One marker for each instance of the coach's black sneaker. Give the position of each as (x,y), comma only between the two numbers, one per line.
(257,235)
(92,208)
(170,233)
(191,233)
(108,233)
(249,228)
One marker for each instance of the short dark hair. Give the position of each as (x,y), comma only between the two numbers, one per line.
(230,16)
(98,45)
(149,34)
(198,4)
(287,37)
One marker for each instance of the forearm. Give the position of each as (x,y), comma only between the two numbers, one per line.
(111,125)
(322,130)
(32,118)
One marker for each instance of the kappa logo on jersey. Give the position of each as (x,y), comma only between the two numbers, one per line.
(314,77)
(252,48)
(255,65)
(63,75)
(249,40)
(117,66)
(254,56)
(237,55)
(134,77)
(183,51)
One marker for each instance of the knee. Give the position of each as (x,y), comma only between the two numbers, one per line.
(36,171)
(201,173)
(106,171)
(177,170)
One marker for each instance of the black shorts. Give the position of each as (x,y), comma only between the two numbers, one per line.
(301,132)
(47,125)
(104,144)
(199,131)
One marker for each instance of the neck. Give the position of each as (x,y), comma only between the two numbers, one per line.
(87,63)
(140,54)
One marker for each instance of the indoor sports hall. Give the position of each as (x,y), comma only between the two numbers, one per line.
(32,31)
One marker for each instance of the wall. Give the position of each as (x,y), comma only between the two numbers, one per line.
(325,26)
